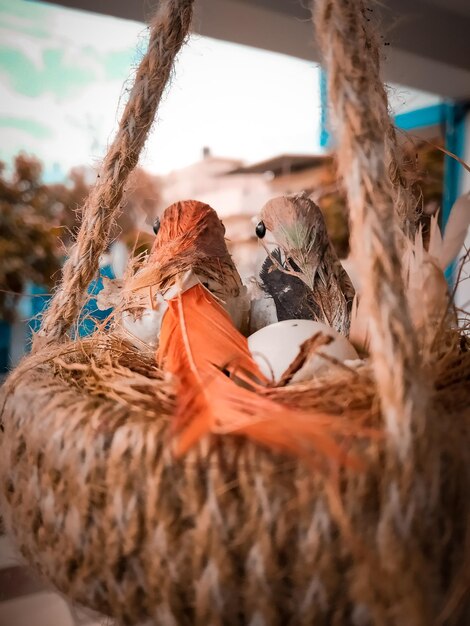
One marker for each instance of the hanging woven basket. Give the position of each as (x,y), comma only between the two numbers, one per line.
(233,533)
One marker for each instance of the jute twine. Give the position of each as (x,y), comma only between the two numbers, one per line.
(168,30)
(370,164)
(350,48)
(231,533)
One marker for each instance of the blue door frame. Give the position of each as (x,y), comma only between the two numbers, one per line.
(31,309)
(325,137)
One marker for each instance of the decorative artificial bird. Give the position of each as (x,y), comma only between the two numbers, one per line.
(304,276)
(219,387)
(141,299)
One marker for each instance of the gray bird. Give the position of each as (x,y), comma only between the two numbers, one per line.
(305,277)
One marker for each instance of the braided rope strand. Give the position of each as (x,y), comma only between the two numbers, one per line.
(359,102)
(168,31)
(369,162)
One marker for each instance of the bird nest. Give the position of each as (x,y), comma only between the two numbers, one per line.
(231,533)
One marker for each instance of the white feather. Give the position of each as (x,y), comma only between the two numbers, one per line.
(359,327)
(455,231)
(351,270)
(426,289)
(425,286)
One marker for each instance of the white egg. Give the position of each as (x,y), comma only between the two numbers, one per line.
(275,347)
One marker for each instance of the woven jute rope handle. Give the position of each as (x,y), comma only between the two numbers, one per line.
(369,162)
(168,31)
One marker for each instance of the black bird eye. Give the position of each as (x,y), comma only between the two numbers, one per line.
(156,226)
(260,230)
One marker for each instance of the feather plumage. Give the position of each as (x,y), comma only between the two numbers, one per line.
(191,236)
(300,231)
(359,333)
(426,289)
(292,298)
(220,388)
(456,231)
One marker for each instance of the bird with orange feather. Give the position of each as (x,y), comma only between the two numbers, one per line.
(191,280)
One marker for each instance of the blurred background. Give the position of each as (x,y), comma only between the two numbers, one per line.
(246,119)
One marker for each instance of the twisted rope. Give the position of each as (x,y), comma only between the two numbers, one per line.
(168,31)
(369,164)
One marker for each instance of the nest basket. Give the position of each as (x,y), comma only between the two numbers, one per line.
(233,533)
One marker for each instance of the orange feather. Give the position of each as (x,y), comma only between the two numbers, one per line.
(221,389)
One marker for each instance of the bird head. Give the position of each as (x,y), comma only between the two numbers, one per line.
(297,226)
(189,237)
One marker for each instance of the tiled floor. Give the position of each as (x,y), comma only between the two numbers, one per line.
(26,601)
